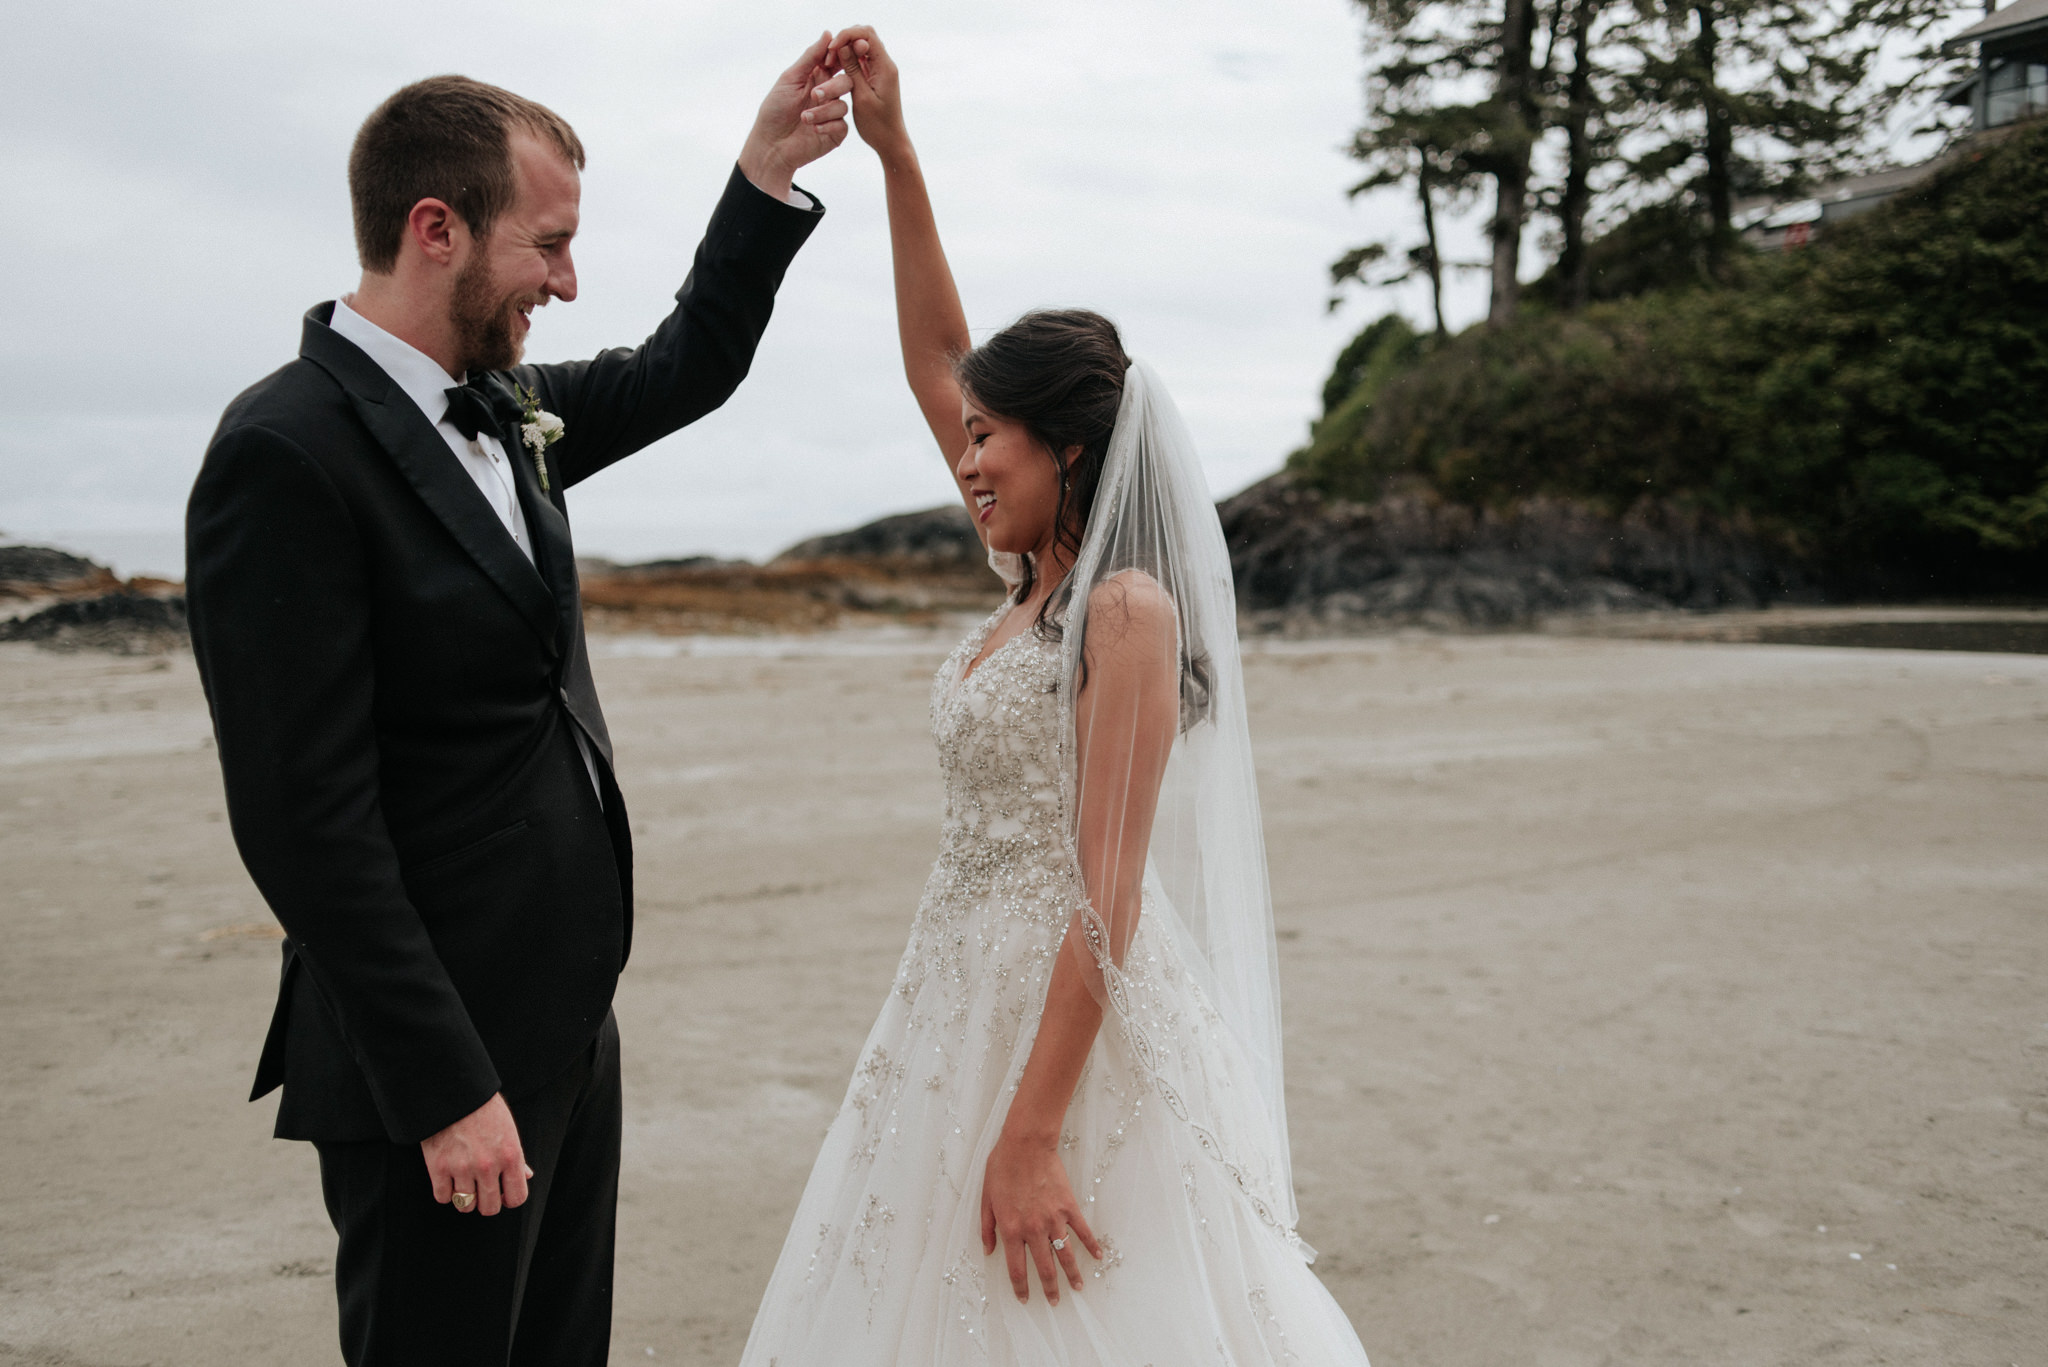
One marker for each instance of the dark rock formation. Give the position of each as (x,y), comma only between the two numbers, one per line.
(940,535)
(596,567)
(125,623)
(37,571)
(910,567)
(1306,562)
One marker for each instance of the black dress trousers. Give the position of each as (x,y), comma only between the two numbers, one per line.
(422,1285)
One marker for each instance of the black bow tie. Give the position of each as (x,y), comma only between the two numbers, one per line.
(472,409)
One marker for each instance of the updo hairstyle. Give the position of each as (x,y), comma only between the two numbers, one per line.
(1060,374)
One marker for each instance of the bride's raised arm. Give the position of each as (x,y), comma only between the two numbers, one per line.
(929,320)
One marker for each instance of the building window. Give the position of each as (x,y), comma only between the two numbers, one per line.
(2015,90)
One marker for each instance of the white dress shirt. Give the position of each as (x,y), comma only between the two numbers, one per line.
(426,384)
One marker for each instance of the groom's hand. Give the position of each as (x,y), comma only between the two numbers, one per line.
(803,118)
(479,1156)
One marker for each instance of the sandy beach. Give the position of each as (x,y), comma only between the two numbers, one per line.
(1647,1002)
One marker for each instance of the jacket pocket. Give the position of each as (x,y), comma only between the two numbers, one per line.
(464,853)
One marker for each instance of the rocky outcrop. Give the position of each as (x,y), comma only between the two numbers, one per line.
(1304,562)
(939,535)
(93,609)
(909,568)
(1307,563)
(42,571)
(124,622)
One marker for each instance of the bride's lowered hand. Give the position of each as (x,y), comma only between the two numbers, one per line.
(1028,1203)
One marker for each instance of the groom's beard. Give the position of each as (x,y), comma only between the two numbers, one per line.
(483,318)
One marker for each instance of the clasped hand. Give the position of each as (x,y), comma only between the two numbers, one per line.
(803,118)
(805,114)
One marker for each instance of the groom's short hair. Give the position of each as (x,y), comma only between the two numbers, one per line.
(447,138)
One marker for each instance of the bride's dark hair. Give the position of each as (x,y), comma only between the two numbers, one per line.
(1059,373)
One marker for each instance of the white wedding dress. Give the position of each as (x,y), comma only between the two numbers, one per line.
(1170,1140)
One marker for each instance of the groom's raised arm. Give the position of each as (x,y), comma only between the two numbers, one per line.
(625,399)
(277,584)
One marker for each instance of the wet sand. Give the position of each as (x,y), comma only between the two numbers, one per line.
(1646,1002)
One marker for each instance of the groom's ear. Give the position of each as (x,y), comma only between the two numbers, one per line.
(435,231)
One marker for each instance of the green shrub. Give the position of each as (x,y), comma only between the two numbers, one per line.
(1879,394)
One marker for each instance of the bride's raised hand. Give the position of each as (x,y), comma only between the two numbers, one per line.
(877,94)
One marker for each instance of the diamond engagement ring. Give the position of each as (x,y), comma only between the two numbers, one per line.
(1059,1245)
(464,1201)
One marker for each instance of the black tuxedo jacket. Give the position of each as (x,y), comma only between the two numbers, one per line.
(395,691)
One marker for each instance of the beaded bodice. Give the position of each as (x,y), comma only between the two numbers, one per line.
(1005,883)
(1000,751)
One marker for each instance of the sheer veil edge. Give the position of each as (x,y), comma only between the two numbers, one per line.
(1206,889)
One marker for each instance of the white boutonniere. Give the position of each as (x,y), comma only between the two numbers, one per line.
(539,429)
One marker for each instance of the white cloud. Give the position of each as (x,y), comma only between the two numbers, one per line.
(177,200)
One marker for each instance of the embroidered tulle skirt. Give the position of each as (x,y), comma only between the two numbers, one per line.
(884,1265)
(1168,1140)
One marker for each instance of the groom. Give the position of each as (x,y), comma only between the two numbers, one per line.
(384,610)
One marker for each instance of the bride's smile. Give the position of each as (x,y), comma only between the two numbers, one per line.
(1012,479)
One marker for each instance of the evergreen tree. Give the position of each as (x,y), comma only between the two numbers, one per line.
(1425,148)
(1577,109)
(1737,97)
(1453,98)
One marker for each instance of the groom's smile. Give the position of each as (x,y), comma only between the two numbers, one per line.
(522,264)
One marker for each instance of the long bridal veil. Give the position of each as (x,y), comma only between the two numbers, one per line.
(1153,532)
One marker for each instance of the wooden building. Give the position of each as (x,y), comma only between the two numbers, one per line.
(2009,84)
(2011,80)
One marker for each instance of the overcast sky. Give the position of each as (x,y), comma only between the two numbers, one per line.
(176,200)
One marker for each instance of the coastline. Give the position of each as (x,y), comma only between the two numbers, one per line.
(1663,954)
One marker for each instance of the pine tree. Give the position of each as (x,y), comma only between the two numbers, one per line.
(1580,109)
(1736,97)
(1425,148)
(1428,63)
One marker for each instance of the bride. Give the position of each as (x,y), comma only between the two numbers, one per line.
(1074,1086)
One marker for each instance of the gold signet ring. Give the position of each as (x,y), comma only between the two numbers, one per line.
(465,1202)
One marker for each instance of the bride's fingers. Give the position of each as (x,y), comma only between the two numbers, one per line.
(859,46)
(988,1226)
(1079,1224)
(1065,1251)
(1020,1278)
(1048,1276)
(849,67)
(860,37)
(854,57)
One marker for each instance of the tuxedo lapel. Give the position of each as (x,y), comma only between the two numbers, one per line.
(404,433)
(554,550)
